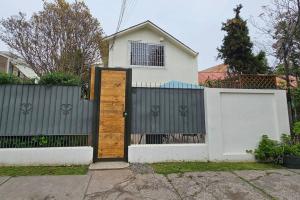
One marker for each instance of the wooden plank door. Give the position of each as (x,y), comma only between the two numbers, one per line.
(112,112)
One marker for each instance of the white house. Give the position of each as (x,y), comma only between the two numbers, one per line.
(154,55)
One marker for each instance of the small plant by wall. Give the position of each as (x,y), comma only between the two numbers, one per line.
(274,151)
(268,150)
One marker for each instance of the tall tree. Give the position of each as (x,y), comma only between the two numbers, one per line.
(281,23)
(236,50)
(62,37)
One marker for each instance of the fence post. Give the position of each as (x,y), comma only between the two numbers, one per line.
(92,82)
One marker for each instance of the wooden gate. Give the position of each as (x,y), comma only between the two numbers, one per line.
(111,88)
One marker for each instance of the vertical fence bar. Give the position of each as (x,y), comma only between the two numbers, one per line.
(2,88)
(59,110)
(31,114)
(43,115)
(48,97)
(21,100)
(14,105)
(8,102)
(55,108)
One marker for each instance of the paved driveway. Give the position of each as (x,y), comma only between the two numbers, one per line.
(129,184)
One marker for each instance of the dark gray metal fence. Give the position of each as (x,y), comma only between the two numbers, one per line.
(167,115)
(35,114)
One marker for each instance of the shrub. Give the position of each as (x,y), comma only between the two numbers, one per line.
(296,128)
(28,81)
(59,78)
(213,83)
(9,79)
(273,151)
(268,150)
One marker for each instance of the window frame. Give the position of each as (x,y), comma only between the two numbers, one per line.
(147,66)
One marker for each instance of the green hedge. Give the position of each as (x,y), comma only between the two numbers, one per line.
(9,79)
(54,78)
(60,78)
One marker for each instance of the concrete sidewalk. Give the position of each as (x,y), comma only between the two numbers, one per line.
(130,184)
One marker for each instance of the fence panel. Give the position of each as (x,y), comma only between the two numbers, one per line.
(167,115)
(44,110)
(37,110)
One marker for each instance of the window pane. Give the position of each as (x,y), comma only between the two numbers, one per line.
(156,55)
(146,54)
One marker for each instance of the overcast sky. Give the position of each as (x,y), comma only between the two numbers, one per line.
(197,23)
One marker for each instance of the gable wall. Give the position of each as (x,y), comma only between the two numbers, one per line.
(179,65)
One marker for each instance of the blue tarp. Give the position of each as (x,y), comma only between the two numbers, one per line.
(178,84)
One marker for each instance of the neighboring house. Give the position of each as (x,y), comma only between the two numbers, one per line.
(213,73)
(154,55)
(12,64)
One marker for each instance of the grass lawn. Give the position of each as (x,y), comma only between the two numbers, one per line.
(181,167)
(43,170)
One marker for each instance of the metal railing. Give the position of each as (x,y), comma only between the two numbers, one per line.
(43,141)
(170,113)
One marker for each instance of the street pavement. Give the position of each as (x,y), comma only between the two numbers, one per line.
(126,184)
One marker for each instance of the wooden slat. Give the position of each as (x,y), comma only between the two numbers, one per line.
(92,83)
(112,122)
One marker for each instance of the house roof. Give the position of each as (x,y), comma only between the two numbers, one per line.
(213,73)
(28,72)
(156,28)
(221,68)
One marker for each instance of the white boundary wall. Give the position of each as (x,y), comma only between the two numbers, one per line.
(167,152)
(46,156)
(237,118)
(235,121)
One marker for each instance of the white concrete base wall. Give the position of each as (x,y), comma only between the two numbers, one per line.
(46,156)
(167,153)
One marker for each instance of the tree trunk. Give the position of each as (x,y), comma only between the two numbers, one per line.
(289,98)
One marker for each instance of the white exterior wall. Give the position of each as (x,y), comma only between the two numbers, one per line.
(235,121)
(167,153)
(179,65)
(237,118)
(46,156)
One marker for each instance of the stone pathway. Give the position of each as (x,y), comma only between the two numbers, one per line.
(282,184)
(213,185)
(142,183)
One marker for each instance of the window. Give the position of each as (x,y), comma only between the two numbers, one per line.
(146,54)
